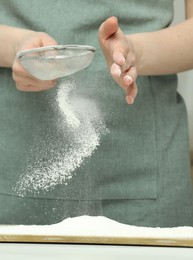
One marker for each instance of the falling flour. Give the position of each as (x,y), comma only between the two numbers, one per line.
(54,157)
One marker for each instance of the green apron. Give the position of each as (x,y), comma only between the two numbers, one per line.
(138,171)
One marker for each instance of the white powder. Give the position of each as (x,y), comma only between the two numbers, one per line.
(53,161)
(97,226)
(65,106)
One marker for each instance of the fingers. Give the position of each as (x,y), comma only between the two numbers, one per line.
(47,40)
(23,80)
(129,76)
(129,85)
(131,93)
(115,71)
(30,85)
(124,71)
(126,79)
(36,40)
(108,28)
(120,56)
(26,82)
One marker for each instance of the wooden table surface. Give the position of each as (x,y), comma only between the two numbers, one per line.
(174,242)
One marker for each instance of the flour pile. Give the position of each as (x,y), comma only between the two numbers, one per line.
(97,226)
(55,156)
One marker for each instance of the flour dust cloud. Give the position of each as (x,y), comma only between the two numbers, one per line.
(56,154)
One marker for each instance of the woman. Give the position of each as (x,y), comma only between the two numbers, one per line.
(77,148)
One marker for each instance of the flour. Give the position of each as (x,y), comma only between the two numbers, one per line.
(97,226)
(66,108)
(55,156)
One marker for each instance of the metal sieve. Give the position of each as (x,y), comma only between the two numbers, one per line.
(52,62)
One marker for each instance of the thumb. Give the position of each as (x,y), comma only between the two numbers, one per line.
(108,28)
(47,40)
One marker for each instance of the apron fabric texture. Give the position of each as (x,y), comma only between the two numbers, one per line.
(139,171)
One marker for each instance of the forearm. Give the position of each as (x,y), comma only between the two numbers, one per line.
(166,51)
(9,38)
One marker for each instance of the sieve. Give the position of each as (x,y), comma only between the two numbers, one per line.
(52,62)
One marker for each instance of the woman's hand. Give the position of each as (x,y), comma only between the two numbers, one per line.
(24,81)
(120,57)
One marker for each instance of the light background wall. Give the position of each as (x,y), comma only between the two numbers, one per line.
(186,78)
